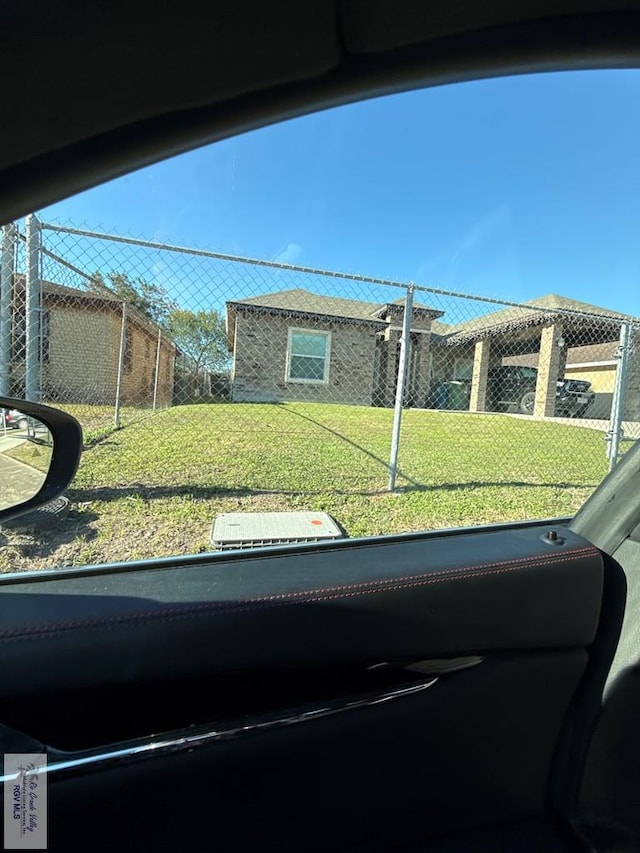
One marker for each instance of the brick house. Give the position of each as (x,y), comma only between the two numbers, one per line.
(296,345)
(79,349)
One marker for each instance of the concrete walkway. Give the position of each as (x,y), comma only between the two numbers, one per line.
(631,429)
(18,482)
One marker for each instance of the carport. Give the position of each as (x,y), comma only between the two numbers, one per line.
(548,327)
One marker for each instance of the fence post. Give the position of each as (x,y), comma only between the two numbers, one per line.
(33,299)
(614,434)
(7,268)
(400,386)
(157,376)
(123,344)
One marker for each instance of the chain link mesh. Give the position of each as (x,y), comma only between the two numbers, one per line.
(241,383)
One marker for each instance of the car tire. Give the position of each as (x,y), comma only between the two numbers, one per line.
(527,403)
(23,423)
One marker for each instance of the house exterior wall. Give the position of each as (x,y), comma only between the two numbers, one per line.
(388,378)
(140,365)
(166,370)
(419,322)
(631,409)
(602,379)
(83,354)
(420,377)
(81,365)
(260,361)
(418,381)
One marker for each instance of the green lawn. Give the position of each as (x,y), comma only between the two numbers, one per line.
(31,453)
(98,421)
(153,488)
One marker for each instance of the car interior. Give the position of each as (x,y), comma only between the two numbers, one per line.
(343,695)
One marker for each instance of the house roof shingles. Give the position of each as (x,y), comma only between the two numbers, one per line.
(532,312)
(303,301)
(298,300)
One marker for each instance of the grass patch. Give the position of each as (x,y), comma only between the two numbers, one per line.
(152,488)
(32,453)
(98,422)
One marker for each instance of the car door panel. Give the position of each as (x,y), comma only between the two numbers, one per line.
(420,682)
(472,750)
(351,603)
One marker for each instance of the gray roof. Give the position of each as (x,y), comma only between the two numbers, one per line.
(532,312)
(51,288)
(440,328)
(305,302)
(298,301)
(103,298)
(418,307)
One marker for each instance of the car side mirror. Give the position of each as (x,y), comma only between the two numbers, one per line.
(40,449)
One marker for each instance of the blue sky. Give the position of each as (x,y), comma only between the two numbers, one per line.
(508,188)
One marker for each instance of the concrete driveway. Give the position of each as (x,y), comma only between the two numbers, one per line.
(630,429)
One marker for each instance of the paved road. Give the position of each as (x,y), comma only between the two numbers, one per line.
(18,482)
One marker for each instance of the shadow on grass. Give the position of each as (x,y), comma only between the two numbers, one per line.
(102,434)
(385,465)
(35,540)
(150,493)
(501,484)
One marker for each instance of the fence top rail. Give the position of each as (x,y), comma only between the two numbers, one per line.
(345,276)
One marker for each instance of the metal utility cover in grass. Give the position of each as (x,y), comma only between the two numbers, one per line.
(234,530)
(43,517)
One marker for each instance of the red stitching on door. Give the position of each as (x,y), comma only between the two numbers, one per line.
(172,614)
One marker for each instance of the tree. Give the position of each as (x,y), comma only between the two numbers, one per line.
(149,299)
(201,336)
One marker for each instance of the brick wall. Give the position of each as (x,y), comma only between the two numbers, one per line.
(84,347)
(631,408)
(81,365)
(259,370)
(139,373)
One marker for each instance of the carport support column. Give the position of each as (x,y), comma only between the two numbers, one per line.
(481,356)
(549,365)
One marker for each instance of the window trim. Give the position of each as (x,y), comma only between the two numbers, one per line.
(292,330)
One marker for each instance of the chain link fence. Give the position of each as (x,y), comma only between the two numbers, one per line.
(260,384)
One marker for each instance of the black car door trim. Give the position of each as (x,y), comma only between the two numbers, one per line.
(171,613)
(188,739)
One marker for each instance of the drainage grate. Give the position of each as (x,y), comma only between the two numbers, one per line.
(44,516)
(242,530)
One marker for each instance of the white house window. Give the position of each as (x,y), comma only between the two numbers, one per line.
(308,356)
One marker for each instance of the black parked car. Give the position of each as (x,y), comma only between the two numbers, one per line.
(514,388)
